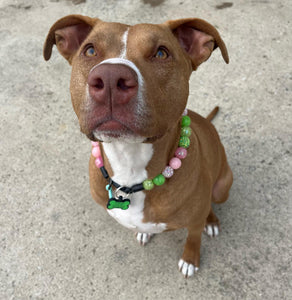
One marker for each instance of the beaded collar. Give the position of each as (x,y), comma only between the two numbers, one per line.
(116,200)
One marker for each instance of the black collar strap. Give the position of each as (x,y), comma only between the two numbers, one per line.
(127,190)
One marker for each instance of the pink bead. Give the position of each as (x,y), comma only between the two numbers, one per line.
(181,152)
(94,144)
(96,151)
(175,163)
(99,162)
(168,172)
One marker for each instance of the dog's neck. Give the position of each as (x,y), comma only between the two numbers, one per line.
(128,161)
(131,163)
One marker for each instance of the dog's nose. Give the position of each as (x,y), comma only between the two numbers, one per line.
(114,83)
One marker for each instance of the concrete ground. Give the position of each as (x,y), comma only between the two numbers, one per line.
(56,243)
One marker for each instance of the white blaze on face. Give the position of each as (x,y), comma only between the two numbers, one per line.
(124,43)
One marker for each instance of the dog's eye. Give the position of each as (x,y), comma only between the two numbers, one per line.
(161,53)
(90,52)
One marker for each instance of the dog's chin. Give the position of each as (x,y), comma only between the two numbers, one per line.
(117,136)
(113,131)
(110,137)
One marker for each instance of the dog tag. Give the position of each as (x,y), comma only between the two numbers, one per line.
(116,203)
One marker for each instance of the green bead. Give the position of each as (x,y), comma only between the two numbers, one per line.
(186,131)
(185,121)
(148,184)
(159,179)
(184,142)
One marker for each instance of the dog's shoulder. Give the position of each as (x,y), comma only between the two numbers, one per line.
(199,123)
(204,131)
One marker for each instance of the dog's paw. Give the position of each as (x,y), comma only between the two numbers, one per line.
(188,270)
(212,230)
(143,238)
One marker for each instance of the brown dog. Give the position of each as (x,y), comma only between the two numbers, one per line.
(129,89)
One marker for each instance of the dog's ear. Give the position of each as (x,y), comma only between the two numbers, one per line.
(198,38)
(68,34)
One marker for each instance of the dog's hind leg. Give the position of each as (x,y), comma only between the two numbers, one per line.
(223,183)
(212,226)
(220,194)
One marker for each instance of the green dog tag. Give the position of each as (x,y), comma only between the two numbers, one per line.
(118,203)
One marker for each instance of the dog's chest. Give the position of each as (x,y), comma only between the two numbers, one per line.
(132,218)
(128,162)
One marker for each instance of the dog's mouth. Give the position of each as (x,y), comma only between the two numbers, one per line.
(112,129)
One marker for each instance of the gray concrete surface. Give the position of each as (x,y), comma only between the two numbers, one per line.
(56,243)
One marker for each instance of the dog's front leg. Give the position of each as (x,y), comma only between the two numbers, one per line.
(143,238)
(190,261)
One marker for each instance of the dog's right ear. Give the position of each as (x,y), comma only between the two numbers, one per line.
(68,34)
(198,38)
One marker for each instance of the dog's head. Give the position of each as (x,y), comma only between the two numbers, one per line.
(131,82)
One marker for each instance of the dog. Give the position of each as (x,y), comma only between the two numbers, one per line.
(155,166)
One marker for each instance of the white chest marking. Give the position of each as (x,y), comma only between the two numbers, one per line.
(128,162)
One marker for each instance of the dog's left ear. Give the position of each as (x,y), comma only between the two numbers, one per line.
(67,34)
(198,38)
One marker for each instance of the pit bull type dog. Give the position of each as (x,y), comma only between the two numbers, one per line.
(155,166)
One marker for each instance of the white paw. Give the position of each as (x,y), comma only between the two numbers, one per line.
(212,230)
(188,270)
(143,238)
